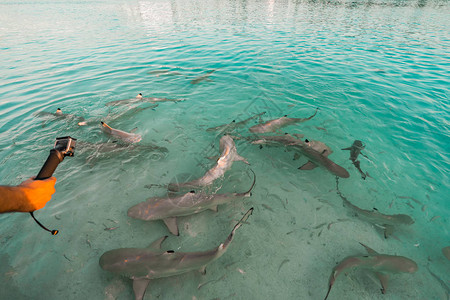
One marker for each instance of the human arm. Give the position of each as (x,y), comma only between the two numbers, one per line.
(28,196)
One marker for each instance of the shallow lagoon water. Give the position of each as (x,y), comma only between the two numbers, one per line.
(377,70)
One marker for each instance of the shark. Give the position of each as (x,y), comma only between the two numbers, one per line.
(201,78)
(144,264)
(126,137)
(387,222)
(381,264)
(140,98)
(355,151)
(230,127)
(59,115)
(169,208)
(274,125)
(228,155)
(316,152)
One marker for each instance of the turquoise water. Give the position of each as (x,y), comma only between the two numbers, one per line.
(378,71)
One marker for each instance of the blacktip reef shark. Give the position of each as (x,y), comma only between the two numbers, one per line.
(127,137)
(381,264)
(317,152)
(204,77)
(169,208)
(274,125)
(388,222)
(230,127)
(228,155)
(139,98)
(59,114)
(144,264)
(355,151)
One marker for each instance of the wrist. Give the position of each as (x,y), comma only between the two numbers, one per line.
(13,199)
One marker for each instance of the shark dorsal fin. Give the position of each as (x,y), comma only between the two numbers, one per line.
(214,208)
(156,245)
(139,287)
(171,224)
(369,250)
(133,130)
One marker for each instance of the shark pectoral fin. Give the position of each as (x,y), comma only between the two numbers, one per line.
(215,157)
(383,280)
(139,288)
(157,244)
(369,250)
(171,224)
(214,208)
(238,157)
(388,230)
(308,166)
(203,270)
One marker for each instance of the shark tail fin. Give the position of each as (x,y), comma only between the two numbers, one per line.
(239,224)
(253,184)
(329,290)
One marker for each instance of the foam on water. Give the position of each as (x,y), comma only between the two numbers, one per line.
(378,71)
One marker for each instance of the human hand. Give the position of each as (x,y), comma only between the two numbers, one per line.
(37,193)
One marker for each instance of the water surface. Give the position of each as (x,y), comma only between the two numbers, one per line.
(377,70)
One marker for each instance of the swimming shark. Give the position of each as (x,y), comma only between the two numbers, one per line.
(169,208)
(143,265)
(274,125)
(388,222)
(381,264)
(355,151)
(201,78)
(230,127)
(122,135)
(228,155)
(315,151)
(60,115)
(139,98)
